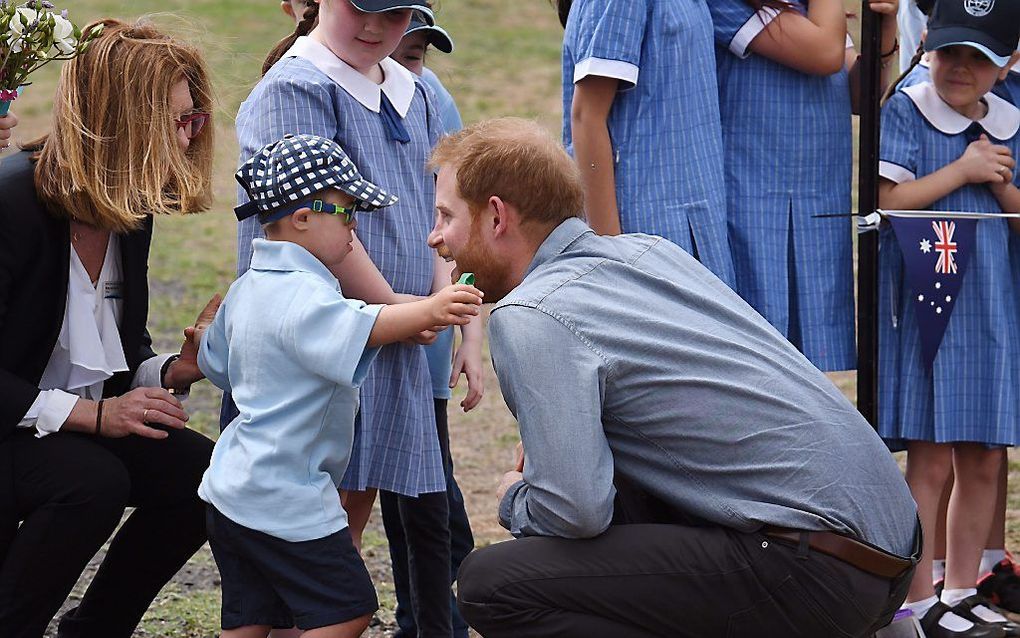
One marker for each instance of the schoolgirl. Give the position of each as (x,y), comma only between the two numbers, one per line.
(785,93)
(649,147)
(949,144)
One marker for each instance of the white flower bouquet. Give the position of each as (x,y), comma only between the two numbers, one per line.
(31,36)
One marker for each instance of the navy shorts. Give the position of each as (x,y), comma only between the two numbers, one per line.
(270,581)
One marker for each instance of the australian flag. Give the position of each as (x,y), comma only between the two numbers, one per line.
(935,256)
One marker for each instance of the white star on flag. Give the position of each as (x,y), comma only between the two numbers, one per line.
(925,246)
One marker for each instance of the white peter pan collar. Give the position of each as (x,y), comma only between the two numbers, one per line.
(398,82)
(1001,122)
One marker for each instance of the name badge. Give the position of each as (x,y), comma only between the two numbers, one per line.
(113,290)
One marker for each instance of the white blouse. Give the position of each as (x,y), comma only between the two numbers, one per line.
(88,350)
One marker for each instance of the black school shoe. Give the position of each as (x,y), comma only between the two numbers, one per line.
(1002,586)
(965,607)
(932,628)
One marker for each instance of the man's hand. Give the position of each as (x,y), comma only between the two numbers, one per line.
(468,361)
(509,479)
(519,457)
(183,372)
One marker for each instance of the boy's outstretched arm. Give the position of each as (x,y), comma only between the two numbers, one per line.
(453,305)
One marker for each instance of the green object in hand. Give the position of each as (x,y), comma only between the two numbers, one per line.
(467,278)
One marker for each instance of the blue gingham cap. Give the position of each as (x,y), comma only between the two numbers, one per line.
(281,176)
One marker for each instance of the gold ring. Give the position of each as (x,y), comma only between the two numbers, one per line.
(145,416)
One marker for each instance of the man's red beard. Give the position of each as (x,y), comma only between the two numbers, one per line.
(491,277)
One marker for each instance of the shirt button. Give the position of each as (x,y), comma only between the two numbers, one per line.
(764,544)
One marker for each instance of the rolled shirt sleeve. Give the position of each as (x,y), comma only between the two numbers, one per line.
(568,473)
(610,37)
(899,145)
(736,24)
(213,352)
(330,338)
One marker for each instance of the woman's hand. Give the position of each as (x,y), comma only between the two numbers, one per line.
(7,124)
(884,7)
(184,371)
(134,412)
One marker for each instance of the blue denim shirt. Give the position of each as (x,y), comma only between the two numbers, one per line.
(624,354)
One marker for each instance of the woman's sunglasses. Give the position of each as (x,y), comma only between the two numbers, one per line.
(192,123)
(320,206)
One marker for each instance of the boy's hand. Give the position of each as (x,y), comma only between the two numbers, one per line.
(455,305)
(986,163)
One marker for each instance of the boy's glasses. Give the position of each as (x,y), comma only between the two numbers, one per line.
(192,123)
(320,206)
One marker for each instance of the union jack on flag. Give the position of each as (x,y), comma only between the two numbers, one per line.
(934,287)
(945,246)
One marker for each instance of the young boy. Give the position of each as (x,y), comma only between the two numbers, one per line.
(293,351)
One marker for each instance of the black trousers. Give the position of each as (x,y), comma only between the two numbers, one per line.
(70,493)
(671,580)
(429,537)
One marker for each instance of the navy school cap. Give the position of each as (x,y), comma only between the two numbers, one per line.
(281,177)
(990,26)
(437,35)
(421,7)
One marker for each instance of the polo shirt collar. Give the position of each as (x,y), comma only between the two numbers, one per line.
(398,82)
(1001,122)
(285,256)
(558,240)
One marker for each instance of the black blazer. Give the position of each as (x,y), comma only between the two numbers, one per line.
(34,256)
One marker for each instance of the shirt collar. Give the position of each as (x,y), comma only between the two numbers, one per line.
(286,256)
(1001,122)
(562,236)
(398,82)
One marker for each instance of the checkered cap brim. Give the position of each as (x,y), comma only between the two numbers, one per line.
(285,173)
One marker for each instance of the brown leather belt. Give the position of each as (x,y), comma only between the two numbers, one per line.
(852,552)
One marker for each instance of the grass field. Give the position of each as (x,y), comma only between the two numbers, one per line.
(506,63)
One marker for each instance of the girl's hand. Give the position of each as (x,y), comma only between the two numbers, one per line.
(468,361)
(986,163)
(7,123)
(884,7)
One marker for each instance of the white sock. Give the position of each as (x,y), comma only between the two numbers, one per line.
(950,621)
(989,559)
(952,596)
(921,607)
(938,569)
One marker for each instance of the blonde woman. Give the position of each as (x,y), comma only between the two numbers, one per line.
(88,425)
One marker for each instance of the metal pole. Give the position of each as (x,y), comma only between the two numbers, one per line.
(870,68)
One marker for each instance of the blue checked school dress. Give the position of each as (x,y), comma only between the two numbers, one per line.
(310,90)
(972,391)
(788,138)
(664,123)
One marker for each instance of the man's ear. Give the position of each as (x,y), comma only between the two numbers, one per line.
(1013,59)
(502,217)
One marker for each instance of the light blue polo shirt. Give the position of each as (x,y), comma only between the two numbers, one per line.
(292,351)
